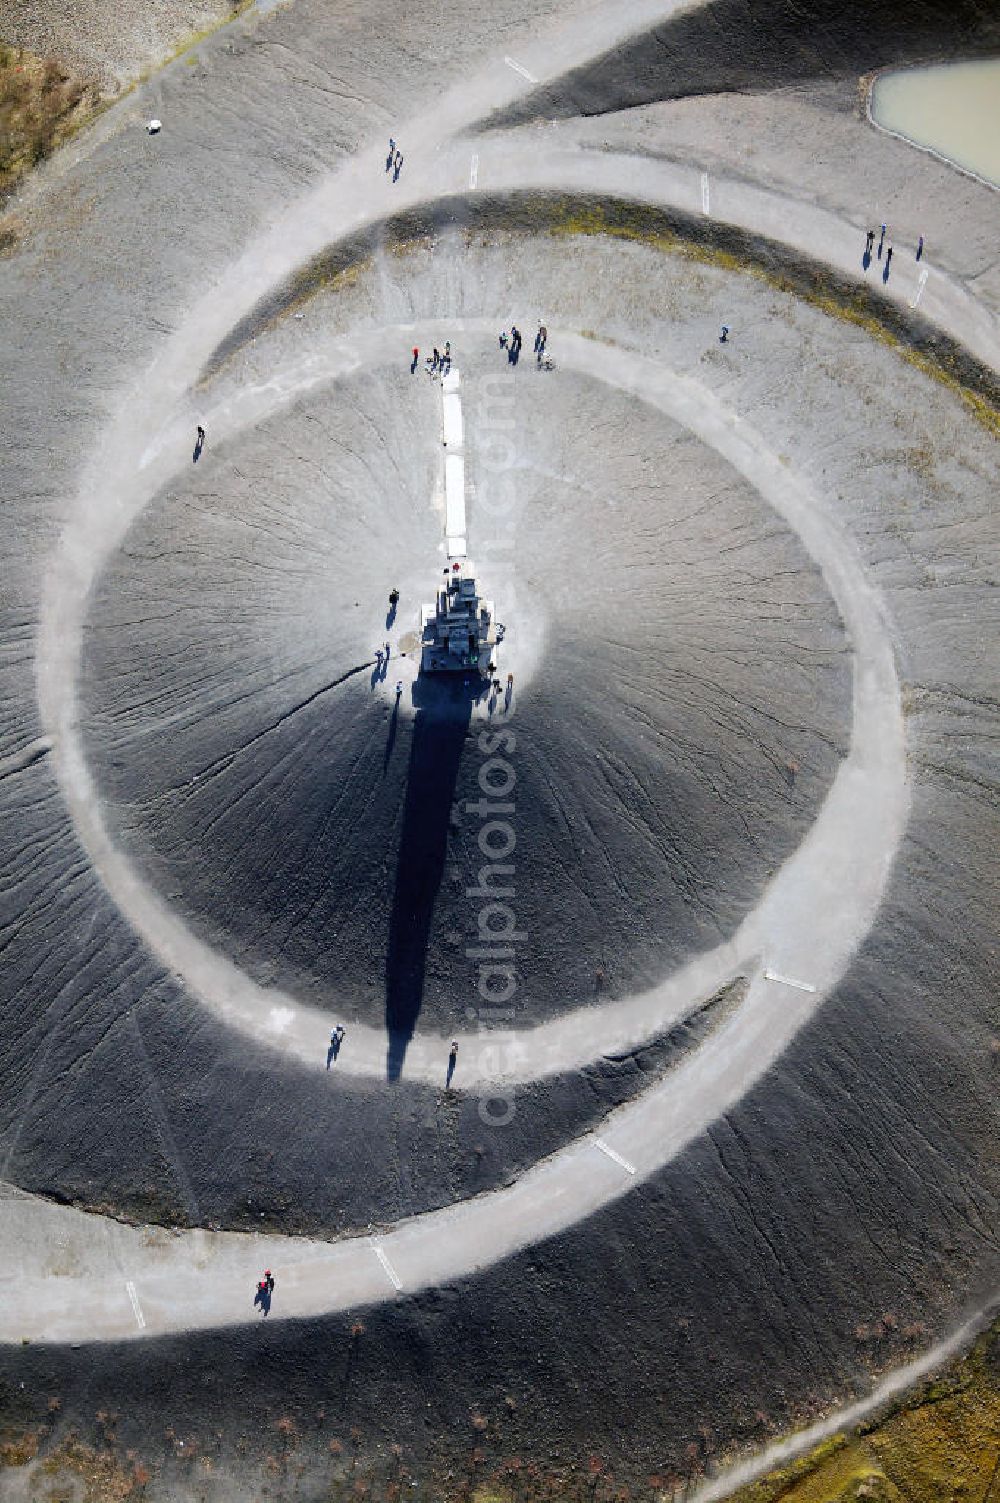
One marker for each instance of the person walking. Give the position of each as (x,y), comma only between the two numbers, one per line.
(869,242)
(920,247)
(452,1062)
(888,258)
(413,362)
(724,334)
(881,242)
(392,153)
(336,1039)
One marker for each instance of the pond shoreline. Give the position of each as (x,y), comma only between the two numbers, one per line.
(892,110)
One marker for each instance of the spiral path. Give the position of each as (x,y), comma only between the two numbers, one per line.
(321,480)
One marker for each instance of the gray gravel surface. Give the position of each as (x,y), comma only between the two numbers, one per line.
(859,1177)
(112,43)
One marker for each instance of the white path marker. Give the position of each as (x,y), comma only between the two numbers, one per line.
(520,68)
(706,201)
(474,170)
(606,1148)
(136,1307)
(800,986)
(390,1272)
(453,433)
(920,288)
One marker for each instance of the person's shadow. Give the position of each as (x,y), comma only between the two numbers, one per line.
(200,444)
(513,353)
(336,1039)
(866,259)
(885,273)
(390,740)
(263,1299)
(443,706)
(452,1062)
(377,670)
(390,614)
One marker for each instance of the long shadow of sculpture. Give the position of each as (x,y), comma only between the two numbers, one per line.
(726,46)
(444,709)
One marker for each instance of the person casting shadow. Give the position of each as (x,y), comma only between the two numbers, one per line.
(452,1062)
(336,1039)
(263,1297)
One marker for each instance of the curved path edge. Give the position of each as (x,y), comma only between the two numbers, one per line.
(895,1383)
(809,925)
(814,880)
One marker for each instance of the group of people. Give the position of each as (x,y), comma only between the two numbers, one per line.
(394,160)
(439,361)
(870,247)
(513,341)
(382,656)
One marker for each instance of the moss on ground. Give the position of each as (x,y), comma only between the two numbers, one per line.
(856,305)
(940,1444)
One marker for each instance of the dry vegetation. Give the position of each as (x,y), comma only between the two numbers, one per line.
(41,103)
(941,1445)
